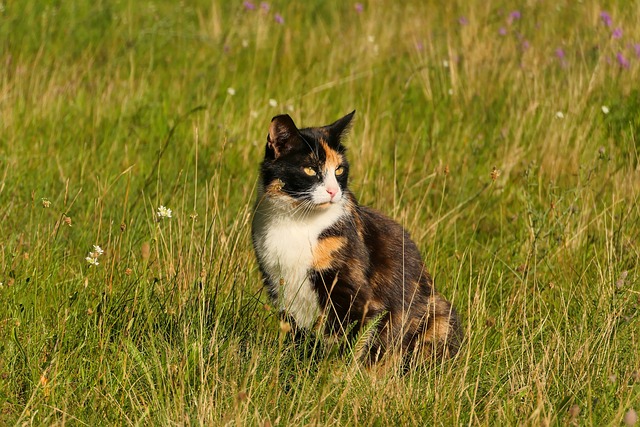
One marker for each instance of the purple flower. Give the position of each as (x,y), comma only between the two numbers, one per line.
(617,33)
(265,6)
(514,16)
(525,45)
(606,18)
(636,47)
(278,18)
(463,21)
(248,5)
(622,61)
(420,46)
(502,31)
(359,7)
(560,53)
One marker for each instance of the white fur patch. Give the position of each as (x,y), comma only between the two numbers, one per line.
(321,195)
(284,245)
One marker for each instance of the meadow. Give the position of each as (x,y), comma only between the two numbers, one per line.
(503,135)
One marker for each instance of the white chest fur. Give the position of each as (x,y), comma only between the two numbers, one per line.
(284,245)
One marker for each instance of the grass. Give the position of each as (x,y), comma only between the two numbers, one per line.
(110,109)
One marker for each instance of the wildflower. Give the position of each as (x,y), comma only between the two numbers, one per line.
(265,6)
(606,18)
(605,109)
(515,15)
(636,48)
(231,91)
(278,18)
(245,43)
(463,21)
(92,261)
(525,45)
(560,53)
(359,7)
(559,115)
(502,31)
(631,417)
(450,91)
(624,63)
(248,5)
(273,102)
(617,33)
(622,279)
(574,412)
(445,63)
(495,173)
(67,220)
(164,212)
(46,203)
(285,326)
(97,250)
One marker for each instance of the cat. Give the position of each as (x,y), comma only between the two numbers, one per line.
(330,263)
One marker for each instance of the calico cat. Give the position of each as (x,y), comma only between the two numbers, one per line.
(328,262)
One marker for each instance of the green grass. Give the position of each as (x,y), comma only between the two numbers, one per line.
(111,109)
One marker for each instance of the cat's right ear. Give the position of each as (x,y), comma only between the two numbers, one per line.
(283,134)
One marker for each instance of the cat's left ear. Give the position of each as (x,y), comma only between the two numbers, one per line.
(340,127)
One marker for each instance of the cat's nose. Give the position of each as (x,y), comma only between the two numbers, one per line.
(332,191)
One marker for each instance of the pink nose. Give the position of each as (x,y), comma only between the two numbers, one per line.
(332,191)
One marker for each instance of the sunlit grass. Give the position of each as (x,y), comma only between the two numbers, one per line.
(503,137)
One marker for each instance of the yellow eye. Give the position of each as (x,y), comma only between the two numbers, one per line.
(339,170)
(309,171)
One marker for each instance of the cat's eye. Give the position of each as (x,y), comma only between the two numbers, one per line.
(310,171)
(339,170)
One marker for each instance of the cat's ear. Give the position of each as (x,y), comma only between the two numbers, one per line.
(339,128)
(283,134)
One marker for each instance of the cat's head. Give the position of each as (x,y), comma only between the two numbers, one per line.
(306,167)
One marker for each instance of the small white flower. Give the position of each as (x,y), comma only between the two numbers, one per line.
(450,91)
(445,63)
(371,39)
(164,212)
(605,109)
(290,107)
(253,114)
(559,115)
(273,102)
(92,261)
(97,250)
(245,43)
(231,91)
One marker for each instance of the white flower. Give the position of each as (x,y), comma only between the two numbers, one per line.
(559,115)
(245,43)
(605,109)
(445,63)
(92,261)
(164,212)
(97,250)
(450,91)
(273,102)
(231,91)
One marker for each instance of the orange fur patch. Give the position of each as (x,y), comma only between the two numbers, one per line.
(324,253)
(334,159)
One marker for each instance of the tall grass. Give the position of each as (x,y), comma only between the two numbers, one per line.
(481,130)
